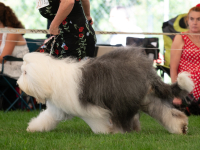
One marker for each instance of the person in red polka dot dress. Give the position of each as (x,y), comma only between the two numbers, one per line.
(185,56)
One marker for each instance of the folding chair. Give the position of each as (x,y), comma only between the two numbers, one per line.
(101,49)
(174,25)
(33,44)
(11,82)
(150,45)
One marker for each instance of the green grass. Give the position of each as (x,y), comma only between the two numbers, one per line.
(76,134)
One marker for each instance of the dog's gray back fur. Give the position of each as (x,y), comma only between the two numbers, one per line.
(119,81)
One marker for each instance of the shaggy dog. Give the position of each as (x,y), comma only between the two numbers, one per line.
(107,92)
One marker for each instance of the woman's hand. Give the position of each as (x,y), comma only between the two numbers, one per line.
(90,20)
(177,101)
(54,30)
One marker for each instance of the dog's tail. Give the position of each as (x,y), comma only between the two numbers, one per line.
(183,86)
(179,89)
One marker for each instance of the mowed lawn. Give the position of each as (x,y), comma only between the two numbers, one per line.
(76,134)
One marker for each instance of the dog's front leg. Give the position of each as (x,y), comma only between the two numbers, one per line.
(173,120)
(47,119)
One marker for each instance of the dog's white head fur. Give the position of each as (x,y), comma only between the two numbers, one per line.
(32,72)
(41,74)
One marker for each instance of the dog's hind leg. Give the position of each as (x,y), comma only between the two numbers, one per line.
(102,125)
(99,125)
(47,119)
(99,120)
(173,120)
(135,122)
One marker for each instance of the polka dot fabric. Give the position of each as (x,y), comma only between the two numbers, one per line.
(190,62)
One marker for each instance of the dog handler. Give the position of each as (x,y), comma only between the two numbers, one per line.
(71,25)
(186,57)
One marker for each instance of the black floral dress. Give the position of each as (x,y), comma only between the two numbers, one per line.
(77,37)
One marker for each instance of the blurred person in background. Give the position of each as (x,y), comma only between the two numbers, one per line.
(10,44)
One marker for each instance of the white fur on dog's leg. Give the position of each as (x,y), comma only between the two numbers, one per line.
(46,120)
(99,125)
(172,119)
(102,125)
(178,122)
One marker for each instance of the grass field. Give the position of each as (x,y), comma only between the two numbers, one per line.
(76,134)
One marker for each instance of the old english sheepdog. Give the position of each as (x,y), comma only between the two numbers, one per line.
(107,92)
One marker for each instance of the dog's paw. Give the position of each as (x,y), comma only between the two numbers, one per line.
(32,129)
(29,130)
(34,126)
(179,122)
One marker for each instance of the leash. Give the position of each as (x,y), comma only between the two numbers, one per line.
(54,40)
